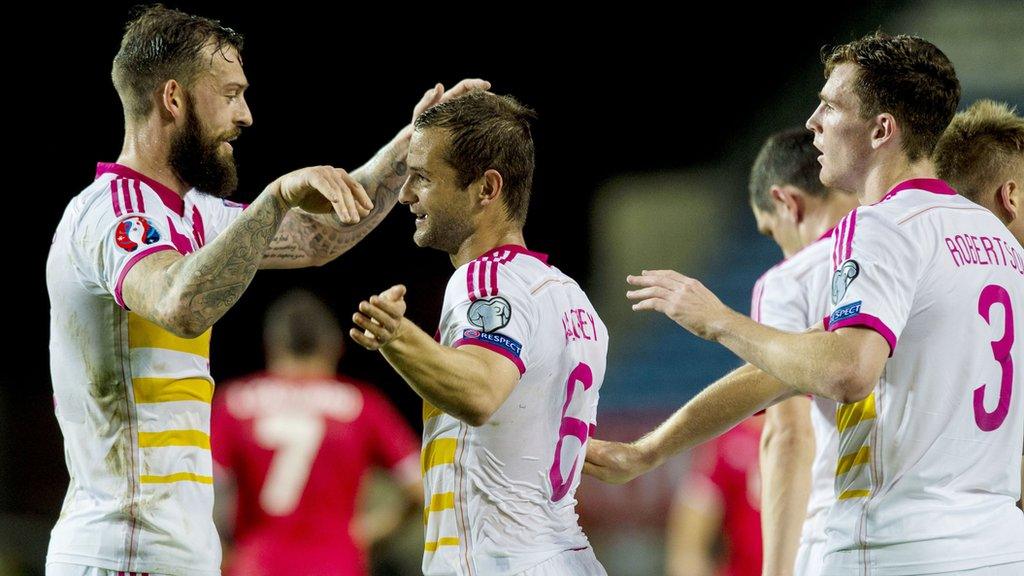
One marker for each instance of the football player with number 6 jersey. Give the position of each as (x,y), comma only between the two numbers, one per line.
(510,387)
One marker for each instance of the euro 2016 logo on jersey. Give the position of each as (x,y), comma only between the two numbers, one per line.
(842,278)
(135,231)
(490,315)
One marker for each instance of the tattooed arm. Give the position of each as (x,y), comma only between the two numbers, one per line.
(314,240)
(186,295)
(306,239)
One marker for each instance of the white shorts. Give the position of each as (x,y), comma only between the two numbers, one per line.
(810,558)
(568,563)
(62,569)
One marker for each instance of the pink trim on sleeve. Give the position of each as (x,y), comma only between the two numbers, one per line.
(487,345)
(132,262)
(866,321)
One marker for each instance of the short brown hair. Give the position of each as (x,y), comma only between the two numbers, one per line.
(160,44)
(980,147)
(788,157)
(907,77)
(488,132)
(300,324)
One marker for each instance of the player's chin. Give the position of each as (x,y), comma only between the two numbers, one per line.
(421,238)
(825,175)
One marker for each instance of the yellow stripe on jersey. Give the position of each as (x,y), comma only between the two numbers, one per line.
(178,477)
(438,452)
(848,461)
(150,390)
(433,546)
(144,334)
(849,415)
(430,411)
(195,438)
(854,494)
(439,502)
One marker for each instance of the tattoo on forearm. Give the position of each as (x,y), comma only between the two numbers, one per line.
(216,276)
(310,239)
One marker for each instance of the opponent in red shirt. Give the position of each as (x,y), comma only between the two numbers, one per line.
(293,446)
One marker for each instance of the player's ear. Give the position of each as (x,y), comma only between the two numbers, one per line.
(884,129)
(790,201)
(172,100)
(1011,197)
(491,186)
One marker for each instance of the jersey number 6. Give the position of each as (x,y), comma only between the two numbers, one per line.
(570,427)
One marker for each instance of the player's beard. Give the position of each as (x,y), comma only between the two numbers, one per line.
(200,161)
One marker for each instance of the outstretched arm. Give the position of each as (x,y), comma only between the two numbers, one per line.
(306,239)
(843,365)
(722,405)
(186,295)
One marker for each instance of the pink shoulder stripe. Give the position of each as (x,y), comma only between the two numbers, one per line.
(139,202)
(849,235)
(125,185)
(470,285)
(114,198)
(755,299)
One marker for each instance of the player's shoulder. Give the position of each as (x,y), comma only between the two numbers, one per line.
(809,261)
(119,193)
(509,268)
(914,197)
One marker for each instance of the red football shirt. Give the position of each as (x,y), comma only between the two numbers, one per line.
(729,466)
(298,450)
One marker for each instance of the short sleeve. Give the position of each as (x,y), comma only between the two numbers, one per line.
(778,302)
(495,311)
(875,275)
(117,236)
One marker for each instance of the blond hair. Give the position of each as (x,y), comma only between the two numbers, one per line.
(981,148)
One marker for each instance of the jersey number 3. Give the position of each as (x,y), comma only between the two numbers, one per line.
(989,421)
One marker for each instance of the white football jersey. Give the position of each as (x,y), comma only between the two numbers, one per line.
(132,400)
(793,296)
(500,497)
(929,463)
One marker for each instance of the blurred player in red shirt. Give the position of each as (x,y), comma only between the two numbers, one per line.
(292,447)
(719,504)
